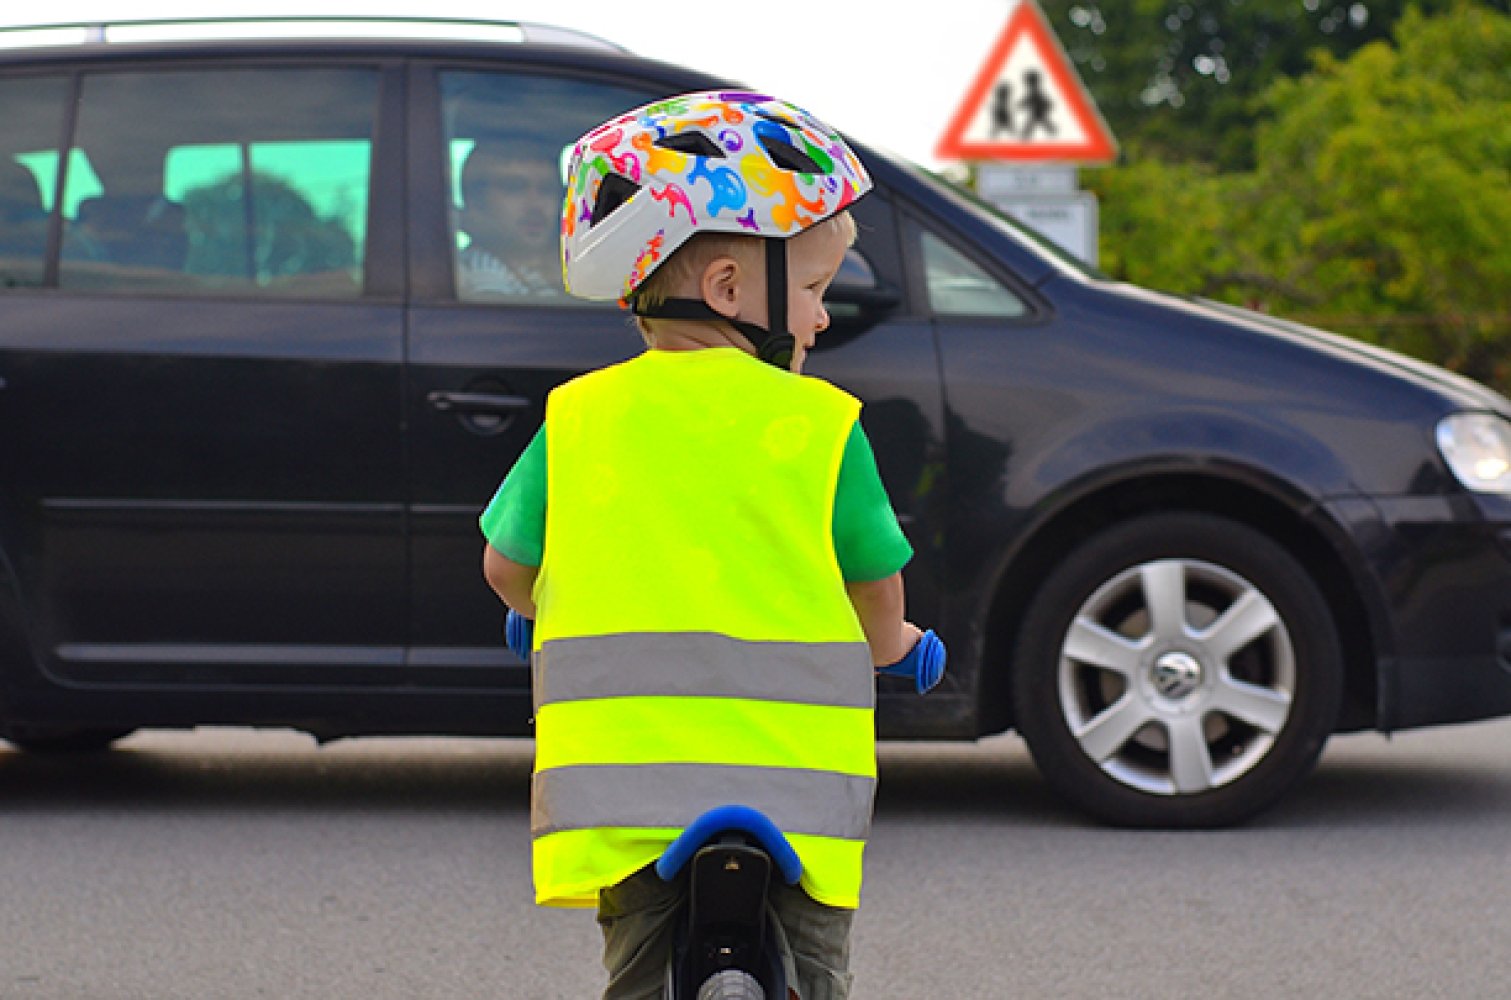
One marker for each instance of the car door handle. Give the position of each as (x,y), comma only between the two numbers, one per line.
(476,402)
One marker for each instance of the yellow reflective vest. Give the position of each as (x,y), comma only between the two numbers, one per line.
(695,645)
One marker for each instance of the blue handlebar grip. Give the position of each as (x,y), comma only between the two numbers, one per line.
(519,633)
(924,663)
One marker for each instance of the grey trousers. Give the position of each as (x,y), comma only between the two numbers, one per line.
(639,919)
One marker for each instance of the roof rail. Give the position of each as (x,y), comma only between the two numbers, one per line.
(223,28)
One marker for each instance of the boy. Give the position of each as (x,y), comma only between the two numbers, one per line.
(703,539)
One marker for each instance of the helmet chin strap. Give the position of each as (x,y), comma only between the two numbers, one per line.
(773,348)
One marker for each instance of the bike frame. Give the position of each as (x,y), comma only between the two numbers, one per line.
(730,854)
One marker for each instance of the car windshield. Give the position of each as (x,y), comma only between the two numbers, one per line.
(999,219)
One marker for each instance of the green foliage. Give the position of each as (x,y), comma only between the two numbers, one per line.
(1179,78)
(1397,163)
(1162,224)
(1379,203)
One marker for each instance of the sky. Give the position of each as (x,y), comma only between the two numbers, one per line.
(888,80)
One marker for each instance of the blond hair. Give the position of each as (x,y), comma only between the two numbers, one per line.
(678,274)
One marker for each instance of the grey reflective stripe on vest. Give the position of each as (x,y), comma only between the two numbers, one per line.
(820,803)
(704,664)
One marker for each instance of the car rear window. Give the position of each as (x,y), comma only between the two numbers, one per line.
(242,181)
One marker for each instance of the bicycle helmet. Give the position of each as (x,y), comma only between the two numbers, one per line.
(641,185)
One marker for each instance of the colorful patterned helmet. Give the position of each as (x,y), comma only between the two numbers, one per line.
(641,185)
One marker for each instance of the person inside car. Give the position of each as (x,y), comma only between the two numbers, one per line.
(509,210)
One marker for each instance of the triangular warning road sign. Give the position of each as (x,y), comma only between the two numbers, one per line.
(1028,103)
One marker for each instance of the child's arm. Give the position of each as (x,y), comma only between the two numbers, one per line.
(513,582)
(515,521)
(880,605)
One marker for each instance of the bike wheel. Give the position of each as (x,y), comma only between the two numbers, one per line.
(731,984)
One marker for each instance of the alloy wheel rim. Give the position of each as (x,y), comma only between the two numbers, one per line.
(1177,676)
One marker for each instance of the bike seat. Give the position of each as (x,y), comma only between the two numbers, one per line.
(731,819)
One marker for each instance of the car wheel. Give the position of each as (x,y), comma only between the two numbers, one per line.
(1177,670)
(63,739)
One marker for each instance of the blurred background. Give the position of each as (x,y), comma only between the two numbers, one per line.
(1346,164)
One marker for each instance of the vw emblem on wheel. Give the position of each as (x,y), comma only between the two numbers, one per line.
(1176,675)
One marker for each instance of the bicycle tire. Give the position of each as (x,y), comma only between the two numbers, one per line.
(731,984)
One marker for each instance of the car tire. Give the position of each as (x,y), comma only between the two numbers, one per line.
(1177,670)
(64,739)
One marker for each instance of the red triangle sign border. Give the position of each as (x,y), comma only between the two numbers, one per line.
(1097,147)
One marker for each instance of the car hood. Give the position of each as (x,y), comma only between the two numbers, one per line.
(1466,391)
(1458,390)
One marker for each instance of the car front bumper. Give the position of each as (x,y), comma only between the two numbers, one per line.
(1441,574)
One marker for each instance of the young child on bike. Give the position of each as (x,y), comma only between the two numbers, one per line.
(701,537)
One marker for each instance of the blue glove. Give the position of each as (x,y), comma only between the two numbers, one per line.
(519,633)
(924,663)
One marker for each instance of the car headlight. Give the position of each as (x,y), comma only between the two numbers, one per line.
(1477,447)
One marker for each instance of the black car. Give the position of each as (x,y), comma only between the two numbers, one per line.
(257,380)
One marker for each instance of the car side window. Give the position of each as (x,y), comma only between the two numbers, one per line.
(234,182)
(28,169)
(958,287)
(507,166)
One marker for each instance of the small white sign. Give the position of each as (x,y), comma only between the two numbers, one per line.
(1067,220)
(994,180)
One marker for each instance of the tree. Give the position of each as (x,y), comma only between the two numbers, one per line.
(1383,191)
(1163,225)
(1379,205)
(1178,78)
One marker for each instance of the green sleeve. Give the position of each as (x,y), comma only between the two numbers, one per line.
(515,521)
(868,541)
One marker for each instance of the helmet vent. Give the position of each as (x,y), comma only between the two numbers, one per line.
(614,191)
(788,157)
(692,143)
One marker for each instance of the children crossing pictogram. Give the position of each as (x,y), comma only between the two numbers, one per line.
(1027,103)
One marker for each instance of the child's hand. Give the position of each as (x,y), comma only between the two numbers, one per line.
(519,634)
(907,637)
(910,635)
(923,664)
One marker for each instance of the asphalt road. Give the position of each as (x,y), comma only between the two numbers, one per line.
(238,864)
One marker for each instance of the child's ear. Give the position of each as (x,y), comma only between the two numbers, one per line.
(721,286)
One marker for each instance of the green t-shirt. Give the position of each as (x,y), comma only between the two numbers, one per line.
(868,542)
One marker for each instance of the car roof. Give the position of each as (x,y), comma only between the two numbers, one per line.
(71,37)
(327,37)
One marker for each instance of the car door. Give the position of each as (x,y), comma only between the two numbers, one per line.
(200,434)
(491,328)
(996,342)
(881,347)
